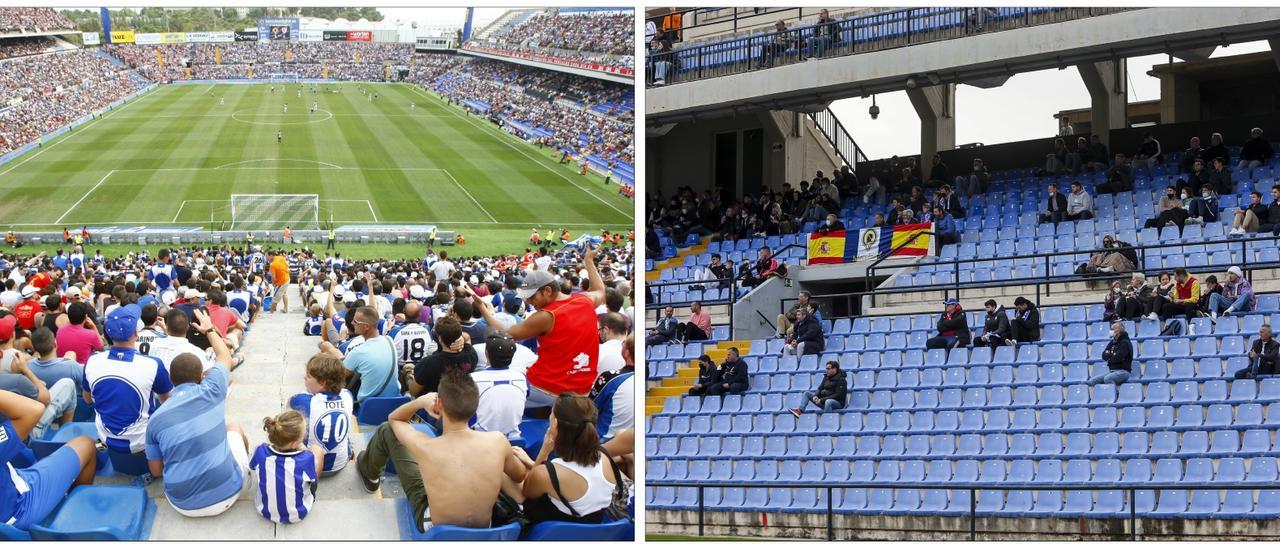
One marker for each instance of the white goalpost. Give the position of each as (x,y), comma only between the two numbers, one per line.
(272,211)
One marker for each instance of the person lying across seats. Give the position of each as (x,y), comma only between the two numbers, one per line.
(1114,257)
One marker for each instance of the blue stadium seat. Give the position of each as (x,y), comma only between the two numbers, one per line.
(100,512)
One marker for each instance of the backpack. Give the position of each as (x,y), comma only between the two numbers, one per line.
(1172,329)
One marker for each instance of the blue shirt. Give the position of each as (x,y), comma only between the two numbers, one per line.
(189,432)
(10,446)
(121,381)
(376,362)
(54,370)
(286,483)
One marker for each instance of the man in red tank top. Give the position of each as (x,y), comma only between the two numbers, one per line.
(567,332)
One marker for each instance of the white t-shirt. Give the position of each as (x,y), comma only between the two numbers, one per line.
(521,361)
(502,398)
(610,356)
(168,348)
(442,269)
(624,407)
(413,342)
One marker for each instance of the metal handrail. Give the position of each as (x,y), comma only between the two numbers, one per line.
(973,488)
(854,35)
(839,137)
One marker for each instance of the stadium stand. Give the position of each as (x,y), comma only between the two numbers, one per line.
(247,293)
(19,20)
(1186,445)
(598,36)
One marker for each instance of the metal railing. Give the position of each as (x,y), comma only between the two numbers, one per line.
(656,304)
(839,138)
(973,489)
(862,34)
(1042,284)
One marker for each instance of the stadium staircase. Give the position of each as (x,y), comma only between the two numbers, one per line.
(110,58)
(685,376)
(507,21)
(652,274)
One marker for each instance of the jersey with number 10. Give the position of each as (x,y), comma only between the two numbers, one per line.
(329,424)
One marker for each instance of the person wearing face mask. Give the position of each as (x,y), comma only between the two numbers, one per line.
(831,224)
(1112,302)
(1119,357)
(1135,298)
(1204,208)
(1170,210)
(1114,257)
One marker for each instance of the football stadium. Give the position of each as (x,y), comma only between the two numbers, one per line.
(270,271)
(1069,337)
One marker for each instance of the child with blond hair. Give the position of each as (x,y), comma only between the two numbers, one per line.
(286,469)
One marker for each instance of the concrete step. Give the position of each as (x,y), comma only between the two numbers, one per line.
(668,391)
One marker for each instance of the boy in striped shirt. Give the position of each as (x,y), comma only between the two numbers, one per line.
(286,469)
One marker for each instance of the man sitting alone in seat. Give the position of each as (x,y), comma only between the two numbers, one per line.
(832,394)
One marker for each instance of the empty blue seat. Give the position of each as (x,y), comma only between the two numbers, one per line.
(100,512)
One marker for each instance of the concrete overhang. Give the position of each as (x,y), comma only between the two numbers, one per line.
(975,58)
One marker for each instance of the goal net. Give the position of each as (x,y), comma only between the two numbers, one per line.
(284,77)
(273,211)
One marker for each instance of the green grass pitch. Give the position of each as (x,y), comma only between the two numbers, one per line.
(175,155)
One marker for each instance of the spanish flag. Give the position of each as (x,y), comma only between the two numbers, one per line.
(916,248)
(827,248)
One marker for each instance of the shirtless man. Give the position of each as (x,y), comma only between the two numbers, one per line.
(461,468)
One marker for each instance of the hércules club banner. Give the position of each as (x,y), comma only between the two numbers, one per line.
(838,246)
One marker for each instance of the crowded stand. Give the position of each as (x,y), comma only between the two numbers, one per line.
(33,20)
(1162,372)
(344,61)
(29,45)
(599,38)
(49,92)
(522,362)
(531,101)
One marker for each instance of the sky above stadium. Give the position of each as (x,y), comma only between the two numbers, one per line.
(1021,109)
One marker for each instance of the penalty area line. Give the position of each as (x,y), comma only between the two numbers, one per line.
(86,195)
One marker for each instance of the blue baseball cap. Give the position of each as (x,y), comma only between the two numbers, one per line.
(122,323)
(951,301)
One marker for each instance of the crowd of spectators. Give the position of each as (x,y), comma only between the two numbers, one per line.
(235,60)
(476,342)
(538,98)
(32,20)
(51,91)
(27,45)
(594,32)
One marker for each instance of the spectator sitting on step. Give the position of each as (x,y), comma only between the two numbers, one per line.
(1056,208)
(1256,217)
(698,328)
(324,400)
(1264,356)
(1255,152)
(463,490)
(945,227)
(286,498)
(1136,298)
(1149,152)
(953,328)
(785,321)
(708,376)
(666,329)
(1170,210)
(28,495)
(1079,203)
(1025,325)
(1119,175)
(1237,295)
(832,394)
(808,334)
(734,377)
(1220,177)
(995,327)
(206,482)
(1203,208)
(1119,357)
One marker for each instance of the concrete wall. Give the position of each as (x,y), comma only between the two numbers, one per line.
(763,300)
(685,156)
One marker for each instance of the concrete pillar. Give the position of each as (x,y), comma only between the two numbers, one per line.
(1179,99)
(936,107)
(1275,49)
(1108,93)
